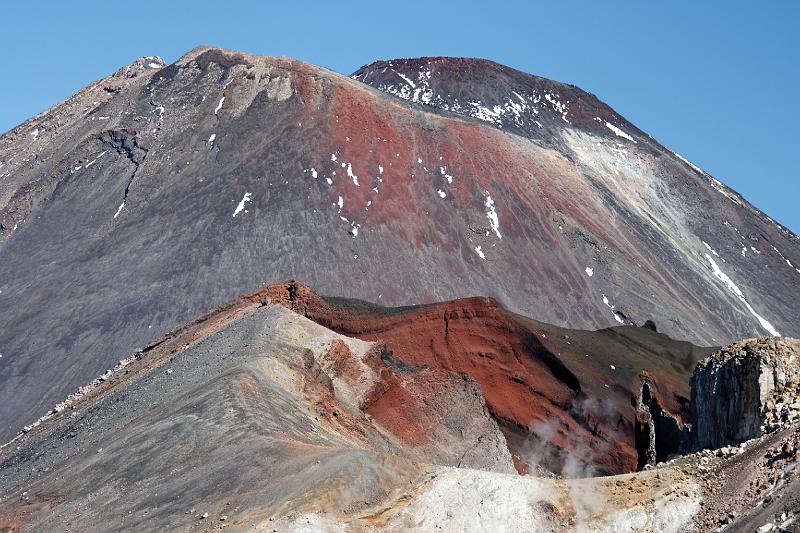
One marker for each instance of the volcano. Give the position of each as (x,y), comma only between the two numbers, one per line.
(502,257)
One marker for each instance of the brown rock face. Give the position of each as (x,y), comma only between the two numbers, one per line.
(566,400)
(744,390)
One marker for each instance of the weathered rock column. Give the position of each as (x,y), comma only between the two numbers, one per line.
(744,390)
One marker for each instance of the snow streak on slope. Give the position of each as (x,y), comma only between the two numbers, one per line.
(620,169)
(723,277)
(619,132)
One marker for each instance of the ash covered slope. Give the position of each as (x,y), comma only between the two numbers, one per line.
(254,415)
(25,177)
(249,411)
(175,189)
(667,221)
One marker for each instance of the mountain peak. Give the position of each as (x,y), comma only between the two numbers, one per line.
(506,98)
(441,63)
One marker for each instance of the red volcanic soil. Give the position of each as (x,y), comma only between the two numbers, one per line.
(365,125)
(565,399)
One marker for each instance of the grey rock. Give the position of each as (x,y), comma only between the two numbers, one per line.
(745,390)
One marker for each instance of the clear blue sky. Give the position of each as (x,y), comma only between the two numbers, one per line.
(717,81)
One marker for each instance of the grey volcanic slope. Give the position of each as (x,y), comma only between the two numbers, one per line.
(240,413)
(164,191)
(763,254)
(252,417)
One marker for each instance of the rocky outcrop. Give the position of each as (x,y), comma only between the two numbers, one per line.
(659,434)
(745,389)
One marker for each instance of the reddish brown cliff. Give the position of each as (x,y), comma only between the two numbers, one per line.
(566,400)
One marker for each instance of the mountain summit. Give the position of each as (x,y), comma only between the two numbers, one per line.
(508,99)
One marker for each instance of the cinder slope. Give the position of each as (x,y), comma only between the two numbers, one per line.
(661,234)
(185,186)
(251,411)
(253,416)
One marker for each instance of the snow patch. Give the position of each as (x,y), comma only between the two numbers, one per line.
(589,271)
(407,80)
(350,173)
(479,252)
(219,105)
(617,317)
(619,132)
(240,207)
(119,209)
(93,161)
(558,106)
(695,167)
(447,176)
(491,214)
(784,258)
(492,115)
(712,250)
